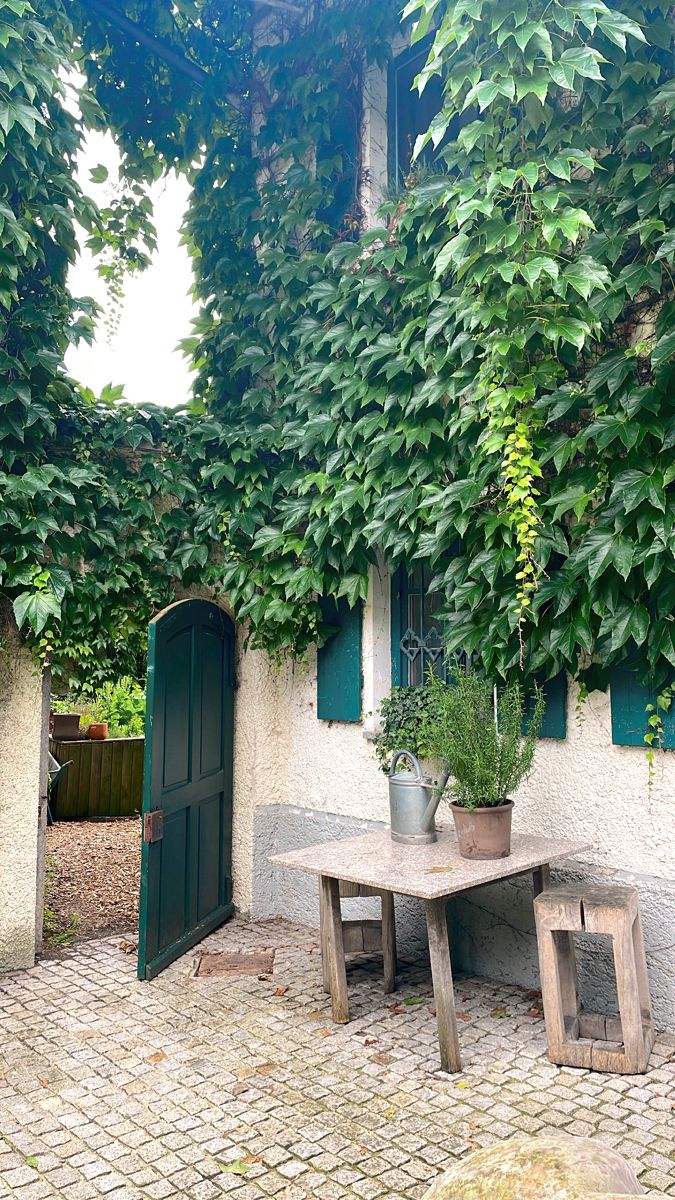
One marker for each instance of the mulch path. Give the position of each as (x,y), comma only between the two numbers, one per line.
(93,873)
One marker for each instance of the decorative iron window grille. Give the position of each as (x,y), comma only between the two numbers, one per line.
(416,631)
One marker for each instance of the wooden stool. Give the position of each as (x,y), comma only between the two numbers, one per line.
(577,1038)
(365,936)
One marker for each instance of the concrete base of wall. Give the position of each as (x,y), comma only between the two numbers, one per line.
(492,928)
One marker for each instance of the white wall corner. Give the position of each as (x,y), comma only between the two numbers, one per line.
(374,142)
(376,645)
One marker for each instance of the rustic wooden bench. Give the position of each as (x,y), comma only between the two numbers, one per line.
(577,1038)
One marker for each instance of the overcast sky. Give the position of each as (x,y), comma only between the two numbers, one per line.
(157,307)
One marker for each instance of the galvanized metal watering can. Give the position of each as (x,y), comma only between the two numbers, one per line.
(413,800)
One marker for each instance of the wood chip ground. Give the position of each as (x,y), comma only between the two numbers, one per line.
(94,871)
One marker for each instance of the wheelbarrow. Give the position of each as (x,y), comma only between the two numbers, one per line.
(55,770)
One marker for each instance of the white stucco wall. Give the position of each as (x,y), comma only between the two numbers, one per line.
(21,746)
(583,787)
(320,780)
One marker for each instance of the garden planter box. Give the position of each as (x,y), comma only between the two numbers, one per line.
(104,779)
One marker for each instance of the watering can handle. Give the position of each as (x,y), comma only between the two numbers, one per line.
(406,754)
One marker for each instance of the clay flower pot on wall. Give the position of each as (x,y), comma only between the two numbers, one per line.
(98,731)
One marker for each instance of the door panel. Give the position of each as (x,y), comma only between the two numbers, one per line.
(186,871)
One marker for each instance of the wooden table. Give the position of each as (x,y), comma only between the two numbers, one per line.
(431,873)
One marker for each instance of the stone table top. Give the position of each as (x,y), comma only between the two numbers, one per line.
(427,872)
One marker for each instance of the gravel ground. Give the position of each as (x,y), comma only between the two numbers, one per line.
(93,876)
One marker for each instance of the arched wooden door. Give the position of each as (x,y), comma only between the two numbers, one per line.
(186,872)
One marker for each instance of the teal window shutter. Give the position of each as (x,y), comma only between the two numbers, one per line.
(554,724)
(339,663)
(629,699)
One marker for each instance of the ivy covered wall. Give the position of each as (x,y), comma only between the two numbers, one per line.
(484,381)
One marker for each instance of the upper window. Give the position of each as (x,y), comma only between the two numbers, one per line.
(409,114)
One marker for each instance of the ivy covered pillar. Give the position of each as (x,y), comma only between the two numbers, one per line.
(24,712)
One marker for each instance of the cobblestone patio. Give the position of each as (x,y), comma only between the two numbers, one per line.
(197,1088)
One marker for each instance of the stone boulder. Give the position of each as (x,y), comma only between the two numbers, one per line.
(558,1167)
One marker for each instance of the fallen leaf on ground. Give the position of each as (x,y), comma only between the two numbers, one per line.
(325,1033)
(414,1000)
(499,1012)
(238,1167)
(252,1158)
(158,1057)
(474,1125)
(536,1013)
(266,1068)
(382,1059)
(32,1162)
(438,870)
(462,1016)
(281,991)
(395,1009)
(127,947)
(432,1011)
(370,1042)
(44,1083)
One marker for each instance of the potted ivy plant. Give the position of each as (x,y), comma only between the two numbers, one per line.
(403,718)
(487,752)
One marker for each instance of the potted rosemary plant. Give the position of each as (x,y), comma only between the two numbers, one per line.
(485,752)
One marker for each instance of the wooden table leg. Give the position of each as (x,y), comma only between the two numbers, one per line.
(541,879)
(337,974)
(323,934)
(441,974)
(389,941)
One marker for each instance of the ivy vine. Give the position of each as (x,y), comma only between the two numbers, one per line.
(485,380)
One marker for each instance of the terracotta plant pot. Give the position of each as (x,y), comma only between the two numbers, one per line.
(483,832)
(98,731)
(65,726)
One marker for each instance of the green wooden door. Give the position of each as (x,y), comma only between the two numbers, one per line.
(186,875)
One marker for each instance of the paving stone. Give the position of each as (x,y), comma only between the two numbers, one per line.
(246,1077)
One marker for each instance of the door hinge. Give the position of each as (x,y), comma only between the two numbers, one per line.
(153,825)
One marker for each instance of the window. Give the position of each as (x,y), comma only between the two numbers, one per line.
(417,645)
(416,632)
(409,114)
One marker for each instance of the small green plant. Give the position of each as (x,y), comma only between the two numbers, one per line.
(485,753)
(57,930)
(403,716)
(122,705)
